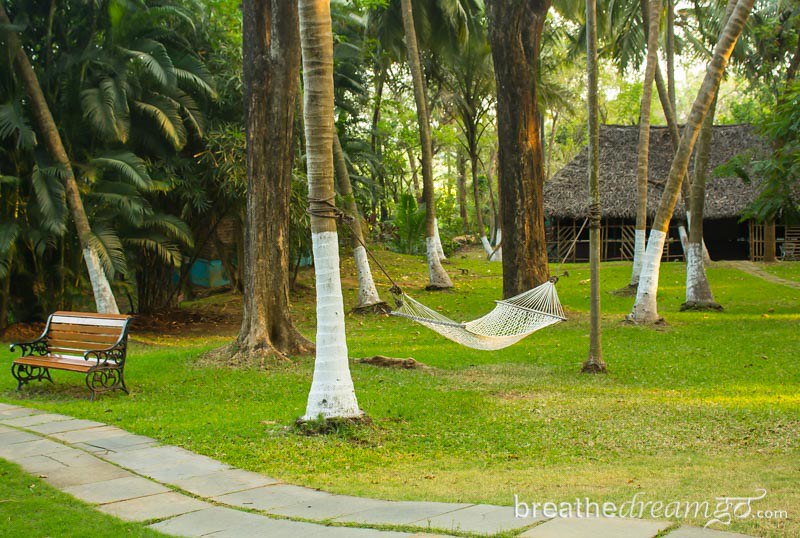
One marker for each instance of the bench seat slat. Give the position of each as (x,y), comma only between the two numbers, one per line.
(60,362)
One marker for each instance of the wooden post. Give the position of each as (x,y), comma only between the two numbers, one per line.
(769,241)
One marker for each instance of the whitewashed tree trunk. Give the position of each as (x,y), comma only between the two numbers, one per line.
(439,249)
(639,245)
(487,247)
(437,276)
(645,310)
(367,292)
(698,290)
(332,394)
(684,237)
(103,296)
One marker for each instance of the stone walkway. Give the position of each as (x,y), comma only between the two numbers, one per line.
(180,493)
(756,271)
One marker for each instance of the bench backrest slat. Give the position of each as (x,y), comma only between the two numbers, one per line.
(74,333)
(95,322)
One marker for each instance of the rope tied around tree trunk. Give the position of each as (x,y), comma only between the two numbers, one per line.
(326,208)
(595,215)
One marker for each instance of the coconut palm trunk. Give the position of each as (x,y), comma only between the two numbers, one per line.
(368,297)
(698,289)
(101,288)
(332,393)
(645,309)
(437,276)
(461,166)
(643,148)
(594,362)
(271,48)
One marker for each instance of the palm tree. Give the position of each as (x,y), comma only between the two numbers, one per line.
(103,296)
(594,362)
(368,298)
(469,79)
(437,276)
(643,148)
(332,393)
(645,308)
(515,32)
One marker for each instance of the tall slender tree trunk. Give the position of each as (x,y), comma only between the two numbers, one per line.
(412,163)
(103,296)
(645,309)
(594,362)
(376,143)
(476,194)
(368,297)
(495,233)
(643,149)
(515,30)
(437,276)
(461,167)
(271,62)
(332,393)
(698,289)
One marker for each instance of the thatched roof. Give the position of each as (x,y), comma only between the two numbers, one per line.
(566,194)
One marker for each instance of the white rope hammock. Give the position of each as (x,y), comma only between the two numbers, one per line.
(511,320)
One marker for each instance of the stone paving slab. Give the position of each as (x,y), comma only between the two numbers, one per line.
(402,513)
(91,472)
(160,506)
(268,498)
(330,507)
(7,407)
(596,528)
(18,451)
(227,523)
(12,437)
(222,482)
(33,419)
(61,426)
(170,472)
(118,443)
(697,532)
(482,519)
(143,457)
(14,412)
(56,461)
(90,434)
(118,489)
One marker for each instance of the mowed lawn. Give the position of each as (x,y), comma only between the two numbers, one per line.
(703,407)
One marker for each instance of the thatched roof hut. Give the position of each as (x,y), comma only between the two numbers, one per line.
(566,194)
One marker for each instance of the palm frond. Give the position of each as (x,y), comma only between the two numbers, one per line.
(14,124)
(127,167)
(167,118)
(192,74)
(105,241)
(50,198)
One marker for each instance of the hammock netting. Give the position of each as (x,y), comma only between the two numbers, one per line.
(511,320)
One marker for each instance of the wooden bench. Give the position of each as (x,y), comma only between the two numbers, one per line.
(93,344)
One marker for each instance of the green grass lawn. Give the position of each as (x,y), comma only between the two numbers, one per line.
(706,406)
(787,270)
(29,508)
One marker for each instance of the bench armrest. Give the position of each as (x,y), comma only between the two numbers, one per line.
(114,353)
(36,347)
